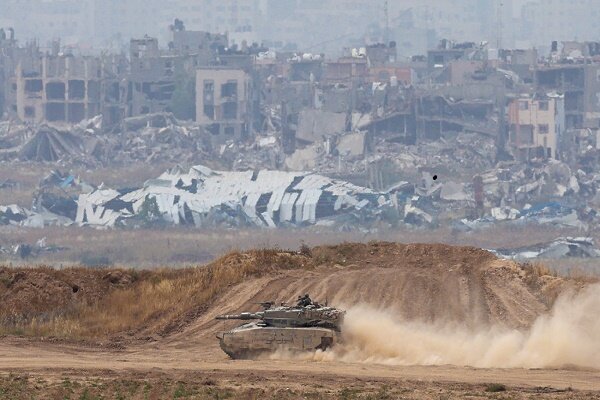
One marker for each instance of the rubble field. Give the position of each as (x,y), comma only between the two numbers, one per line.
(89,175)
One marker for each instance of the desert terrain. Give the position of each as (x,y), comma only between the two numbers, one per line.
(424,321)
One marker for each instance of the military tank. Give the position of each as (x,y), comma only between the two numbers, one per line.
(307,326)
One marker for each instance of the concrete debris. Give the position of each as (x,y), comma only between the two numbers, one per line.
(304,159)
(564,247)
(148,138)
(45,219)
(416,216)
(202,197)
(158,120)
(313,125)
(49,144)
(504,213)
(26,250)
(453,191)
(352,144)
(13,214)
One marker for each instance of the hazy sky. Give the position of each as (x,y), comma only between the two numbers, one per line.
(331,24)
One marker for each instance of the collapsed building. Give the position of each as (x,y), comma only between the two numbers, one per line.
(526,127)
(259,198)
(202,197)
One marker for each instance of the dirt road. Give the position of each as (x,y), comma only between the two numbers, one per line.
(43,358)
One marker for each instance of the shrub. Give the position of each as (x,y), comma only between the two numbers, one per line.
(495,387)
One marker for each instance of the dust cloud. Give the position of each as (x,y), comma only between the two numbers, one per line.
(567,336)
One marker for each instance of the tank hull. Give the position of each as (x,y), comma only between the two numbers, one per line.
(251,341)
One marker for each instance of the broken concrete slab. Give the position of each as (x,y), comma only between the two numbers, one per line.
(304,159)
(49,144)
(351,144)
(13,214)
(313,125)
(453,191)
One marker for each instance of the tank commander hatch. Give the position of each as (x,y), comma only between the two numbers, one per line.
(304,301)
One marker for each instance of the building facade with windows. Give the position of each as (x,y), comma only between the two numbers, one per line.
(223,102)
(536,125)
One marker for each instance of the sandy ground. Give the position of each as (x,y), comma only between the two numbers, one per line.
(178,359)
(429,282)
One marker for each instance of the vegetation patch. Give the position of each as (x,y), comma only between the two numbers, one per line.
(47,302)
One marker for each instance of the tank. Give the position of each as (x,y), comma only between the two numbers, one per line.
(307,326)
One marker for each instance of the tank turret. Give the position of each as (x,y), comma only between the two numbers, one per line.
(303,327)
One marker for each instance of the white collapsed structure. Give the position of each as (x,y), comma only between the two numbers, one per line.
(260,198)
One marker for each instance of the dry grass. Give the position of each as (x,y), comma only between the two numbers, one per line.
(148,302)
(580,272)
(160,301)
(539,269)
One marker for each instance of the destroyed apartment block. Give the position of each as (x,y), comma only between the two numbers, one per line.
(65,88)
(152,77)
(581,88)
(155,75)
(437,114)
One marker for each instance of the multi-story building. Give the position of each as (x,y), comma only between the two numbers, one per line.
(223,102)
(536,126)
(580,84)
(65,88)
(155,74)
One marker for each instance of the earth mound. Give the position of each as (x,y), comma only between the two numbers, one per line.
(425,282)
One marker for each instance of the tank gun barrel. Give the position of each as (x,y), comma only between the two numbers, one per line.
(245,316)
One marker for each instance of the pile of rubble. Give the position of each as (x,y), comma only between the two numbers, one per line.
(202,197)
(512,193)
(148,138)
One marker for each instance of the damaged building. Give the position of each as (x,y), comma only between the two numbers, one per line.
(581,88)
(151,78)
(537,125)
(64,88)
(156,74)
(223,102)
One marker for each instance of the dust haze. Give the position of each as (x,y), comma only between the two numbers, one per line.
(565,337)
